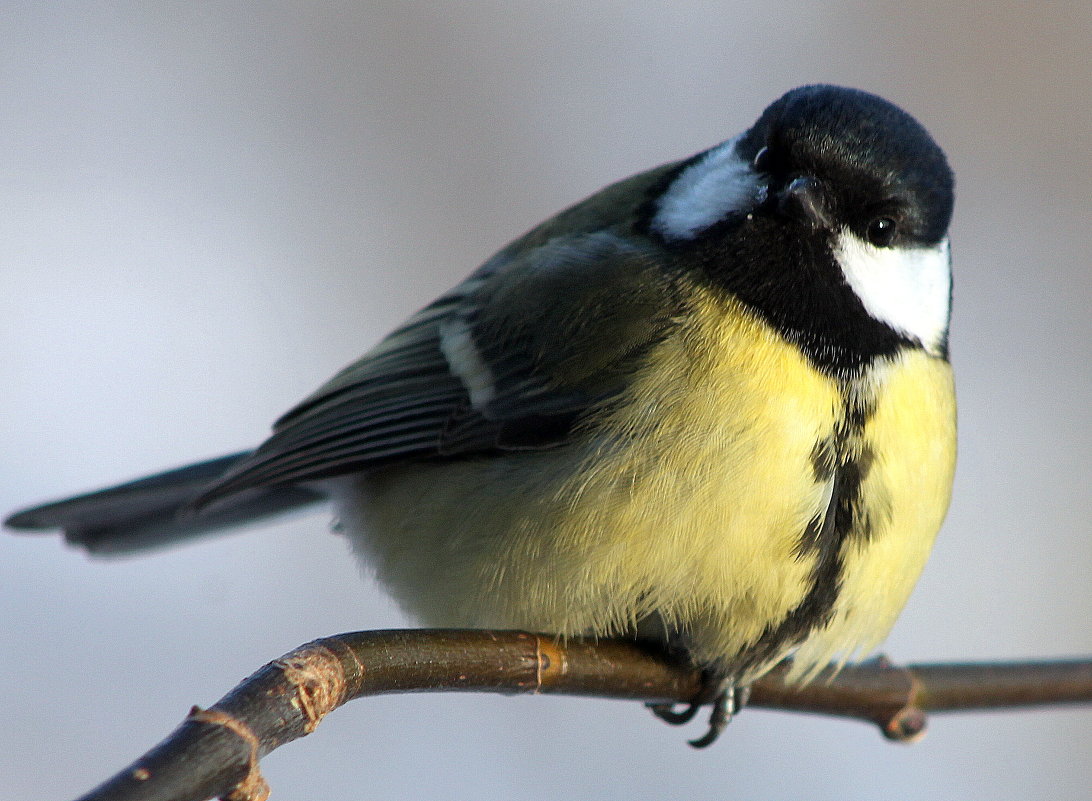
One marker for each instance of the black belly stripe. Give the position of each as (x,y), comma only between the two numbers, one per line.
(844,459)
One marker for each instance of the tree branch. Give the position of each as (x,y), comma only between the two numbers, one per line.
(215,751)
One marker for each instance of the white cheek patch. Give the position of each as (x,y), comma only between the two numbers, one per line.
(466,362)
(706,192)
(907,288)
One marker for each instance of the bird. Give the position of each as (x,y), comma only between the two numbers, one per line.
(710,408)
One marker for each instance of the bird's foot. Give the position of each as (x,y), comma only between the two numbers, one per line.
(727,699)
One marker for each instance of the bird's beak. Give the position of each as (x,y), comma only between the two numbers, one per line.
(804,200)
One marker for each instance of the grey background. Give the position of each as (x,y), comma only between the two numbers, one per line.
(206,209)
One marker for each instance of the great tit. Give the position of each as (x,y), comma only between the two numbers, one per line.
(709,407)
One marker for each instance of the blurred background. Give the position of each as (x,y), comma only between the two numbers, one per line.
(208,208)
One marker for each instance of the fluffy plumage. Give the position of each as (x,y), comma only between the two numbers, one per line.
(709,406)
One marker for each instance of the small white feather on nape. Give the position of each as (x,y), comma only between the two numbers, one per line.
(457,345)
(719,183)
(908,288)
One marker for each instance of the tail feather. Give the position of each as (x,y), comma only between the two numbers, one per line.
(158,511)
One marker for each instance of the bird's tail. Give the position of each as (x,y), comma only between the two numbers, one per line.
(158,510)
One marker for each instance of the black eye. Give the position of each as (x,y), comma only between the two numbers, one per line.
(882,231)
(762,160)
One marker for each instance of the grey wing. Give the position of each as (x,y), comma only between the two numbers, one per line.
(510,359)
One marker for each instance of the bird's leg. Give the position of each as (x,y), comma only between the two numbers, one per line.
(727,703)
(720,691)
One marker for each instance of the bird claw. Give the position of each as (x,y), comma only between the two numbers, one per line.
(728,702)
(727,699)
(667,713)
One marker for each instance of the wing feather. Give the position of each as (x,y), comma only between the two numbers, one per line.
(523,370)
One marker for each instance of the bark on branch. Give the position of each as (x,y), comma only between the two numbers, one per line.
(215,752)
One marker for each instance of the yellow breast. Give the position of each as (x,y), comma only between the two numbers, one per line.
(692,503)
(696,502)
(686,502)
(912,433)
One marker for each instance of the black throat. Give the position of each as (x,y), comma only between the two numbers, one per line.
(790,278)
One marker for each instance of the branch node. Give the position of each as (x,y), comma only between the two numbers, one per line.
(253,787)
(551,664)
(908,725)
(317,679)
